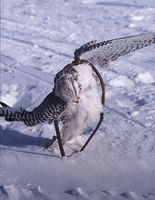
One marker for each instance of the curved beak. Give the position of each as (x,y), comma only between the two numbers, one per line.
(77,99)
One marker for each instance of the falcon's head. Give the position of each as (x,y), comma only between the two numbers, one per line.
(67,86)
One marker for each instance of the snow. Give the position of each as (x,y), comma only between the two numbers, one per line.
(120,81)
(145,78)
(38,38)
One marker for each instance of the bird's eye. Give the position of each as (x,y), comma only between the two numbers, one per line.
(76,78)
(79,86)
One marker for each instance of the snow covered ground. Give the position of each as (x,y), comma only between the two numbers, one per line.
(38,38)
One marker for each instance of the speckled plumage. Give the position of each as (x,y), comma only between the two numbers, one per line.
(101,53)
(49,110)
(76,100)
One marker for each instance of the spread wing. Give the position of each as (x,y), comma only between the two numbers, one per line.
(48,111)
(101,53)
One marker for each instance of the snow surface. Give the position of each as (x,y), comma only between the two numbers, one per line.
(38,38)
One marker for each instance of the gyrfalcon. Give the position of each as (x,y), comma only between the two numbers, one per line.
(76,97)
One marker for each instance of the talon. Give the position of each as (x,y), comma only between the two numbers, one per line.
(50,144)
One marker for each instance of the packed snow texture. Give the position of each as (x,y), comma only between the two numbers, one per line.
(38,39)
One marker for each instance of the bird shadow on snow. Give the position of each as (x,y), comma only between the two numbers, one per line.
(15,138)
(11,138)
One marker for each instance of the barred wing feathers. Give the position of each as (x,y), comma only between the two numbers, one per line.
(102,53)
(49,110)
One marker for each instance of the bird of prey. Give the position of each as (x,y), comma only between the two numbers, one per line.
(75,101)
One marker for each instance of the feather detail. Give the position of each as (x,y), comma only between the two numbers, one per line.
(102,53)
(49,110)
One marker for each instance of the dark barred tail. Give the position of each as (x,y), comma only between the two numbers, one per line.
(48,111)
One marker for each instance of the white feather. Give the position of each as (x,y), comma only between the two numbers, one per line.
(86,113)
